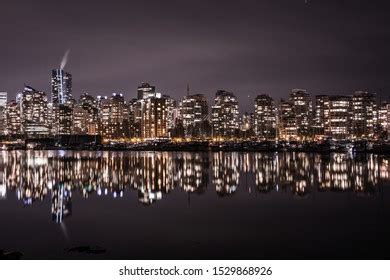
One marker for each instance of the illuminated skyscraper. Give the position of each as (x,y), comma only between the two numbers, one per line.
(302,109)
(61,87)
(265,117)
(61,102)
(194,113)
(225,116)
(13,118)
(113,116)
(63,122)
(246,126)
(287,121)
(172,112)
(154,117)
(3,99)
(145,91)
(384,119)
(135,116)
(364,114)
(3,104)
(34,113)
(319,114)
(88,111)
(3,123)
(80,120)
(337,116)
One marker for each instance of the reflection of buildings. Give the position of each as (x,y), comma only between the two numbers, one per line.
(3,191)
(34,174)
(342,173)
(151,175)
(265,171)
(226,173)
(192,172)
(61,203)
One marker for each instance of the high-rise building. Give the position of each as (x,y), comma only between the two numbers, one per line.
(225,115)
(246,126)
(113,115)
(80,120)
(61,87)
(63,124)
(172,112)
(302,108)
(154,117)
(13,120)
(3,120)
(119,119)
(194,113)
(34,113)
(384,117)
(364,114)
(319,114)
(287,121)
(3,104)
(3,98)
(145,91)
(337,116)
(332,116)
(61,102)
(89,104)
(135,116)
(265,117)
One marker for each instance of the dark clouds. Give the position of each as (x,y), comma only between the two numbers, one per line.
(248,47)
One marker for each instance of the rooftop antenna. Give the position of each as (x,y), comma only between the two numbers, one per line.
(188,89)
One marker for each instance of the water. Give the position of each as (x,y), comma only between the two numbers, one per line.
(168,205)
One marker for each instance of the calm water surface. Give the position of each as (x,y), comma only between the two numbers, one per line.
(164,205)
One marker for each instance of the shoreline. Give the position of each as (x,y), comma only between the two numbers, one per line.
(380,150)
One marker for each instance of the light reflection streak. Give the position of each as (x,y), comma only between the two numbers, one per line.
(33,175)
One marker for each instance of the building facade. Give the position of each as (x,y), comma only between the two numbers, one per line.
(61,87)
(287,122)
(302,109)
(14,125)
(225,116)
(364,115)
(265,117)
(337,117)
(154,124)
(194,114)
(34,113)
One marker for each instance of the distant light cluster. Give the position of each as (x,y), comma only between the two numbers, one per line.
(155,116)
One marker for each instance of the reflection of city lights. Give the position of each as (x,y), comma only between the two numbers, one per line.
(3,191)
(35,175)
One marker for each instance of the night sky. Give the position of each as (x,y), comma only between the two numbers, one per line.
(248,47)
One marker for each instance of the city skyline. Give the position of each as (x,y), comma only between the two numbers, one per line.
(256,51)
(155,116)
